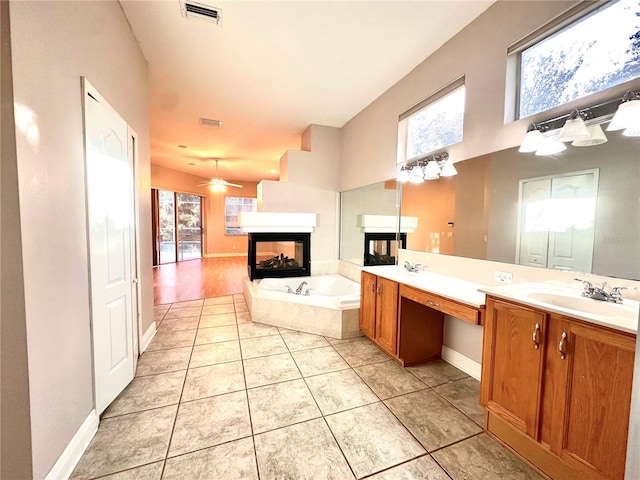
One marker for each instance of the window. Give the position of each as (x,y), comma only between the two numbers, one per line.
(598,51)
(433,124)
(232,208)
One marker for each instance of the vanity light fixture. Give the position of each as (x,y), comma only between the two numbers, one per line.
(532,140)
(596,137)
(550,146)
(428,168)
(627,116)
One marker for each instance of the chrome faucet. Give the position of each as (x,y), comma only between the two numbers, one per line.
(599,293)
(300,287)
(412,267)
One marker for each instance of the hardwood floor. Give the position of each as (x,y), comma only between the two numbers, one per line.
(200,278)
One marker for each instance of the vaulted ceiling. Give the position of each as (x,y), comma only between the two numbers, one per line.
(271,68)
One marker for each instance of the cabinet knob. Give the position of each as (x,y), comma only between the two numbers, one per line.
(379,289)
(433,303)
(563,354)
(373,287)
(535,337)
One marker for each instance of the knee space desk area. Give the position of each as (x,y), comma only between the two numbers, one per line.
(403,312)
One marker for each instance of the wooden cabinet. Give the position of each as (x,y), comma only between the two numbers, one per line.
(558,390)
(379,311)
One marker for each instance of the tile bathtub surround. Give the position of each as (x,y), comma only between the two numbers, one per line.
(229,398)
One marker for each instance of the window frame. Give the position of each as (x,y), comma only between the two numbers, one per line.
(423,104)
(225,226)
(514,60)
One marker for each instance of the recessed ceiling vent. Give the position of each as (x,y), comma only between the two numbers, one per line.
(208,122)
(200,11)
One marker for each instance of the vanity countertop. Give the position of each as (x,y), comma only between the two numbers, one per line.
(452,288)
(567,301)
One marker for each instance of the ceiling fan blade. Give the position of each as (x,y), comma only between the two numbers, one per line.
(202,184)
(228,184)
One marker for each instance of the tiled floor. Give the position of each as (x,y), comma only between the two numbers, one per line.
(219,397)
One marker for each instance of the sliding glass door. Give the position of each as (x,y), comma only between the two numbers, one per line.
(178,226)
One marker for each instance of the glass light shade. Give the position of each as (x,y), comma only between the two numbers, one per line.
(550,146)
(416,175)
(597,137)
(403,176)
(632,131)
(531,142)
(574,129)
(448,170)
(432,171)
(626,115)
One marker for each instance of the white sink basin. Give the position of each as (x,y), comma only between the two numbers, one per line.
(582,304)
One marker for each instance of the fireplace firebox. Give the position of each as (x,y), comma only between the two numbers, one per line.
(382,248)
(278,255)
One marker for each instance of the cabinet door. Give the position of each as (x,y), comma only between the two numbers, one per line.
(515,357)
(594,401)
(387,314)
(368,304)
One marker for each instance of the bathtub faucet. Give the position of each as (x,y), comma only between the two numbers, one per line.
(300,287)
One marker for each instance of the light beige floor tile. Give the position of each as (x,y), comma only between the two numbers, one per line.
(357,354)
(144,393)
(338,391)
(437,372)
(243,317)
(213,353)
(177,324)
(213,380)
(183,312)
(318,360)
(303,451)
(231,461)
(209,422)
(465,395)
(208,321)
(217,334)
(241,307)
(126,442)
(431,419)
(421,468)
(165,340)
(238,297)
(262,346)
(338,341)
(272,369)
(372,439)
(162,361)
(147,472)
(482,458)
(389,379)
(187,304)
(303,341)
(218,300)
(218,309)
(252,330)
(159,313)
(281,404)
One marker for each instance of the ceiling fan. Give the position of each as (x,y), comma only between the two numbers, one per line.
(218,184)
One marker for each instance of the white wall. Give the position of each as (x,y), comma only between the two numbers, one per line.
(54,44)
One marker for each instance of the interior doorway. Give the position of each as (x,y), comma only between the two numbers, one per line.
(177,226)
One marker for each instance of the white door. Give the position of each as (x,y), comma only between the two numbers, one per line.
(533,231)
(571,238)
(110,215)
(557,221)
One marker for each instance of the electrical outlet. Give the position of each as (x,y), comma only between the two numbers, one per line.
(503,277)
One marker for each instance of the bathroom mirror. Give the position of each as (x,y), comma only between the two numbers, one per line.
(378,202)
(488,212)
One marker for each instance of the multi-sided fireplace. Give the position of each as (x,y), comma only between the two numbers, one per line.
(277,255)
(382,248)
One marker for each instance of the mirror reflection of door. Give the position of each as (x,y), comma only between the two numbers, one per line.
(557,221)
(177,226)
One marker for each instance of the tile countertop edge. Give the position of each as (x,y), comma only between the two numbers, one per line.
(507,294)
(463,291)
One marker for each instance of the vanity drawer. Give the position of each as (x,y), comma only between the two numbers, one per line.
(450,307)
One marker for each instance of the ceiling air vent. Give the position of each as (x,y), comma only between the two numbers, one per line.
(200,11)
(211,123)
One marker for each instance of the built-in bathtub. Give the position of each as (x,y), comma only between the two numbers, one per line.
(332,307)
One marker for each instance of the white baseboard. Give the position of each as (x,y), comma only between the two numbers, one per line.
(217,255)
(63,468)
(147,337)
(468,366)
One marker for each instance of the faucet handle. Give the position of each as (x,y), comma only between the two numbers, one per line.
(288,289)
(615,291)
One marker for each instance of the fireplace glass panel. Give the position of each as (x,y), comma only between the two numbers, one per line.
(276,255)
(382,248)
